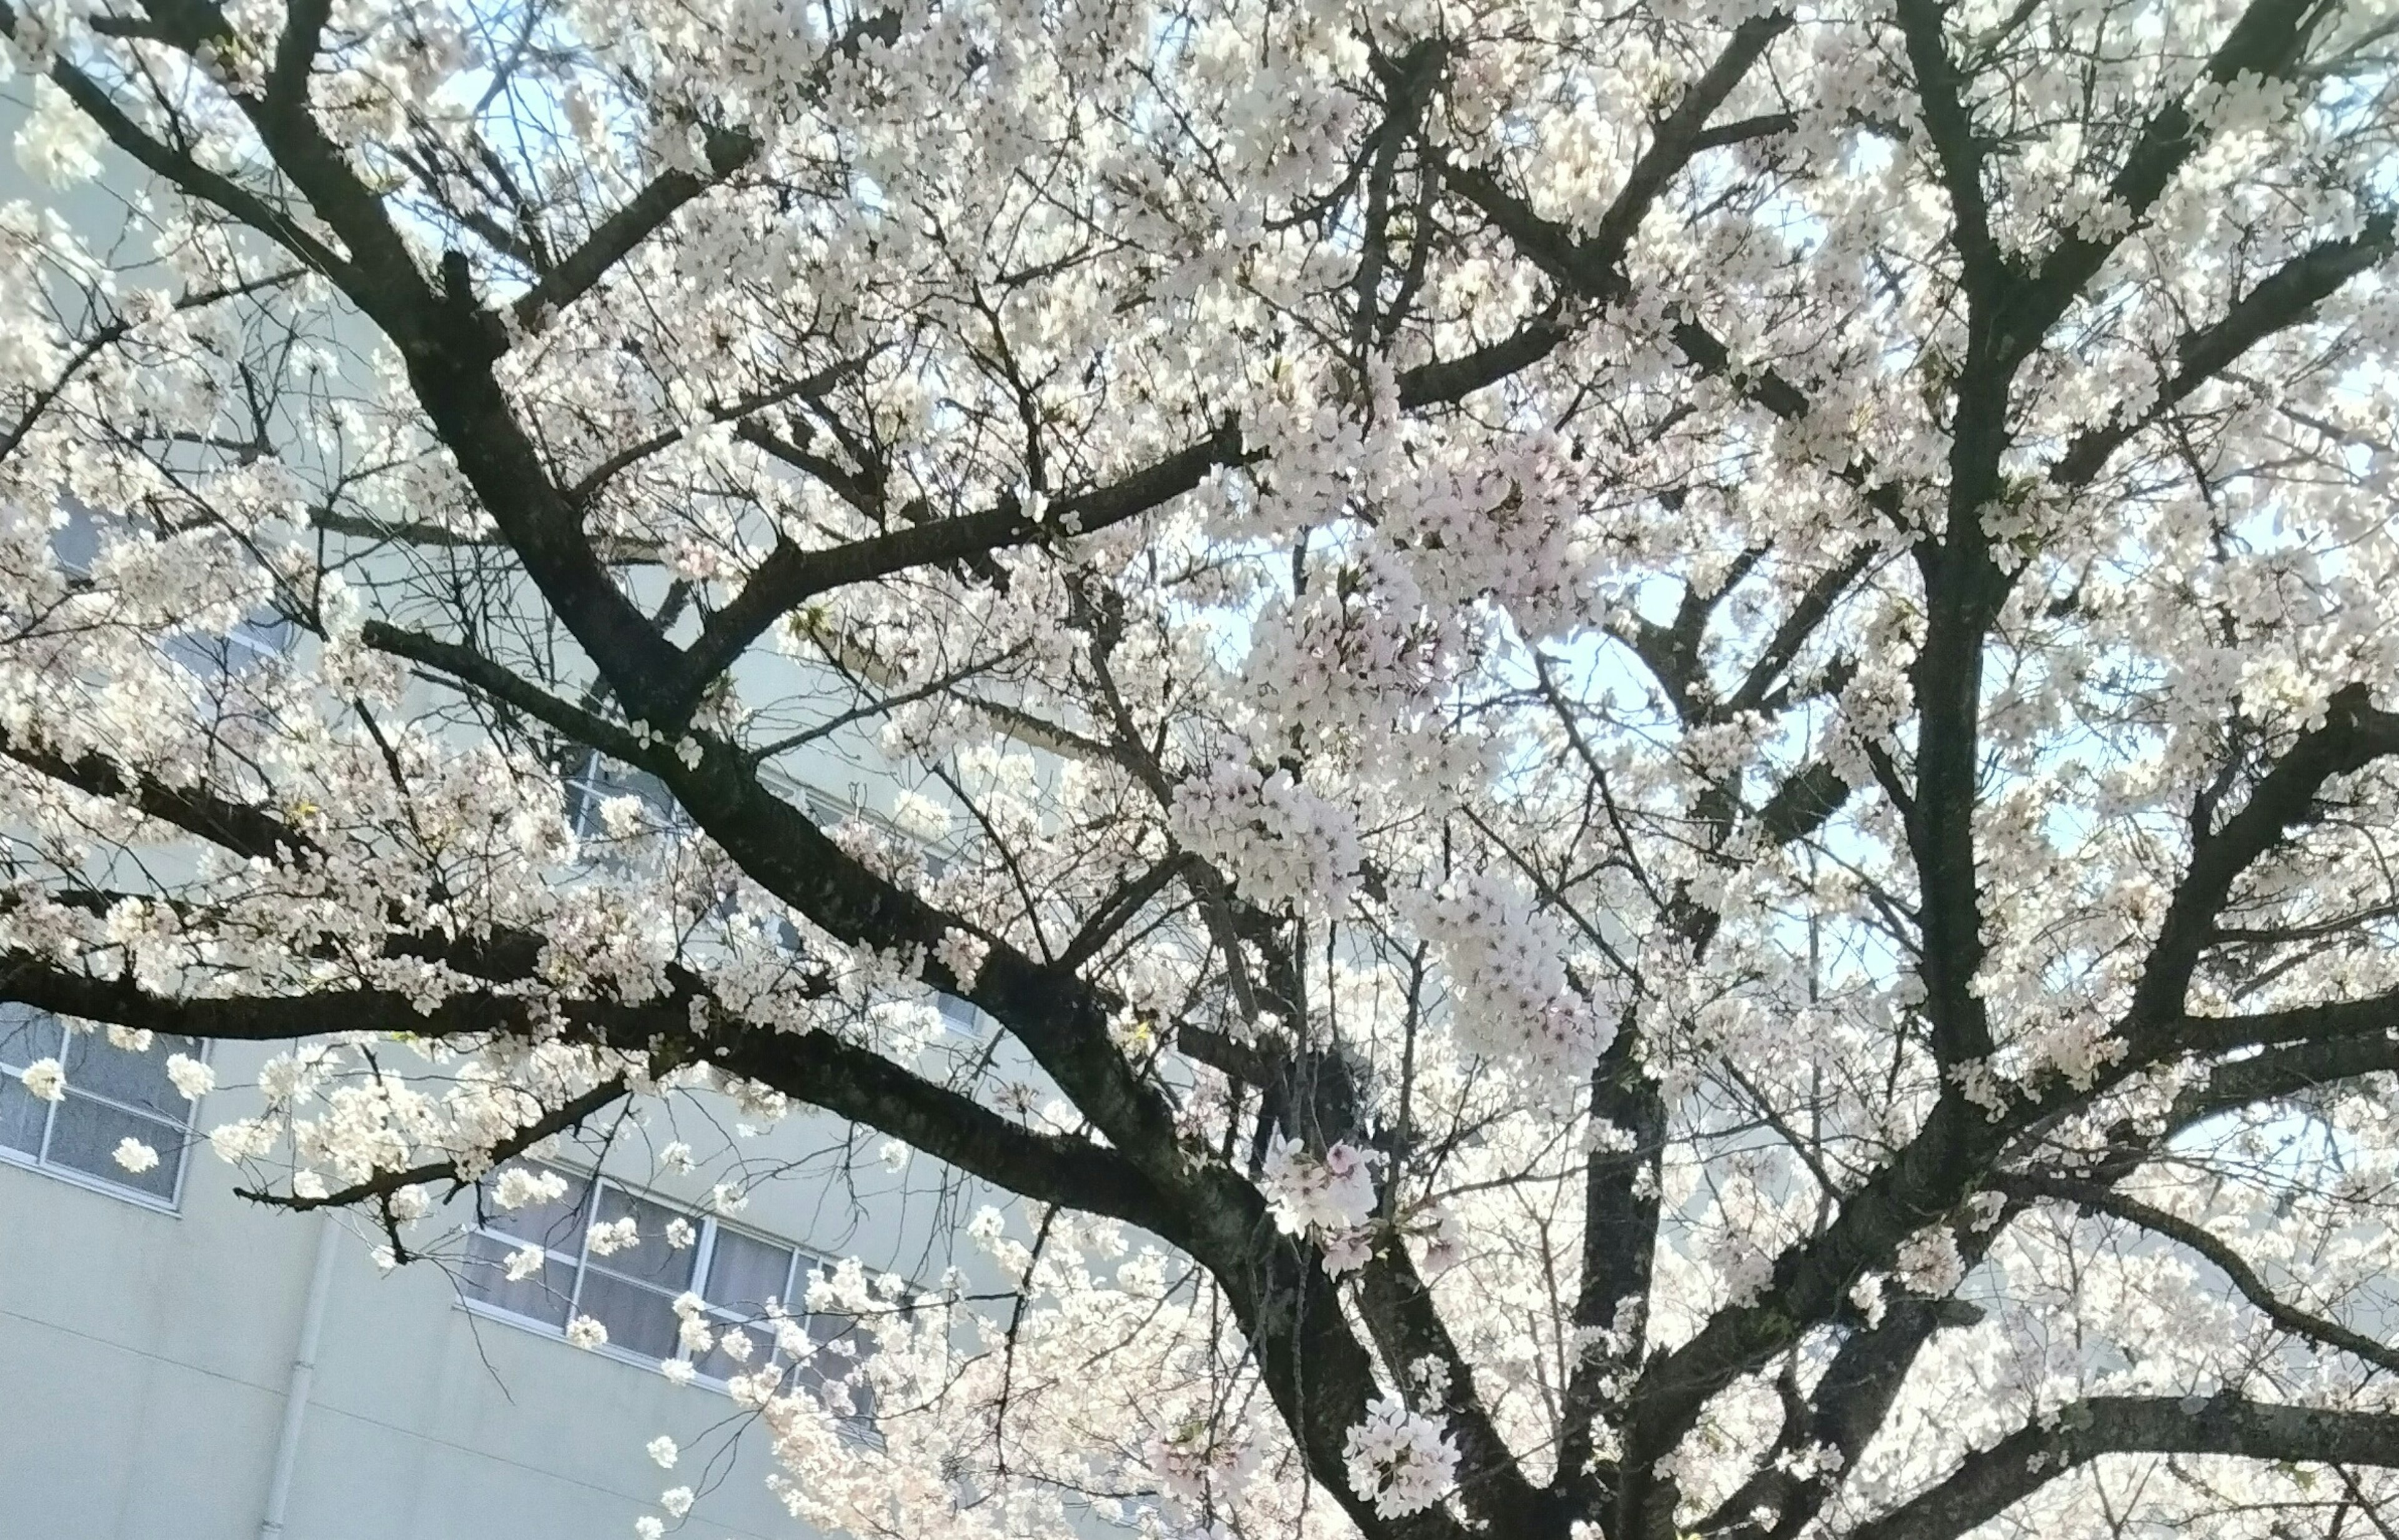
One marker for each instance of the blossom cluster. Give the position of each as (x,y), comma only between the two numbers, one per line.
(1401,1460)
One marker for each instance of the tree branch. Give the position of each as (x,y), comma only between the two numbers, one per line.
(2285,298)
(2353,735)
(1957,148)
(792,576)
(2267,41)
(1987,1483)
(727,150)
(2106,1200)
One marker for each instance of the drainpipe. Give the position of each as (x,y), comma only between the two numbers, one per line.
(303,1372)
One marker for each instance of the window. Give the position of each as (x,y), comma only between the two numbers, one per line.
(597,780)
(254,639)
(959,1014)
(630,1288)
(112,1094)
(777,928)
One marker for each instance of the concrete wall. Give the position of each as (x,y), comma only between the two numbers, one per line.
(144,1359)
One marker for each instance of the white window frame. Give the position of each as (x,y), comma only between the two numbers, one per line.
(577,1257)
(38,1159)
(591,786)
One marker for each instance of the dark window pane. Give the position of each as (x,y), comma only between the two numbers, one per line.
(833,1370)
(265,634)
(601,780)
(484,1276)
(557,1226)
(97,1066)
(198,653)
(87,1135)
(22,1116)
(745,1273)
(26,1035)
(76,542)
(717,1364)
(650,1259)
(639,1320)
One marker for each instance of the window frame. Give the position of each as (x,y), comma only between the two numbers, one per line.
(262,637)
(38,1159)
(578,1257)
(591,785)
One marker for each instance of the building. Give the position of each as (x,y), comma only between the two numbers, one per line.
(184,1364)
(187,1364)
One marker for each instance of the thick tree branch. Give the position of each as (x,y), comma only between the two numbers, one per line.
(793,576)
(2106,1200)
(2267,41)
(1592,268)
(1320,1376)
(2353,735)
(238,826)
(2285,298)
(1620,1202)
(2020,1464)
(1408,1329)
(729,150)
(1957,149)
(814,1067)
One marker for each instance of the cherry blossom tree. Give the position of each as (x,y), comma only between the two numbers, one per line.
(1663,738)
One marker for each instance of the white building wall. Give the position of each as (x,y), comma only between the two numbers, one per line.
(145,1357)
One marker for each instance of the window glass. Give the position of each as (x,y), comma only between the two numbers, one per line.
(97,1067)
(601,780)
(76,542)
(717,1364)
(650,1260)
(112,1094)
(840,1347)
(23,1116)
(744,1273)
(631,1289)
(26,1035)
(557,1226)
(84,1134)
(639,1319)
(544,1296)
(252,642)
